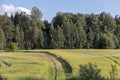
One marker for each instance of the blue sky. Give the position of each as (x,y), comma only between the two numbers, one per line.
(49,8)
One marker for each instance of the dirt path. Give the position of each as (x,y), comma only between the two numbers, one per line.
(59,62)
(55,64)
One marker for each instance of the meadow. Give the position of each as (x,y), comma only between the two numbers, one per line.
(38,66)
(26,66)
(102,58)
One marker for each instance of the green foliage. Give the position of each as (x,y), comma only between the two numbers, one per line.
(105,42)
(36,13)
(2,39)
(56,37)
(12,47)
(66,30)
(90,72)
(108,22)
(117,33)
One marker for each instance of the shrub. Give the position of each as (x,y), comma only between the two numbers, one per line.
(12,47)
(90,72)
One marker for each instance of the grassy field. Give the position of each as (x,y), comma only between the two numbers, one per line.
(103,58)
(22,65)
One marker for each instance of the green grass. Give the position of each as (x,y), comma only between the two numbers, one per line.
(103,59)
(35,66)
(24,65)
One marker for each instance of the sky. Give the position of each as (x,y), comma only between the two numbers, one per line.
(49,8)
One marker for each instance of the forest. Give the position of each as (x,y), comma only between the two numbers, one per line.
(65,31)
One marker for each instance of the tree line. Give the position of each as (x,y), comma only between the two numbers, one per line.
(65,31)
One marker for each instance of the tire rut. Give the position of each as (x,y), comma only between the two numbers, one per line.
(58,61)
(6,63)
(55,63)
(112,58)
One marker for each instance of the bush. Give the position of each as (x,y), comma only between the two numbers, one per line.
(90,72)
(12,47)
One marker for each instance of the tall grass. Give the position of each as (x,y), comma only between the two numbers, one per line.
(103,58)
(23,65)
(34,65)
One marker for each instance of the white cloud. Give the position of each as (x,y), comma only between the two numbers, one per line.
(24,10)
(7,8)
(12,9)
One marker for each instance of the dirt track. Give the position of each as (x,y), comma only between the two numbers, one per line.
(55,64)
(58,62)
